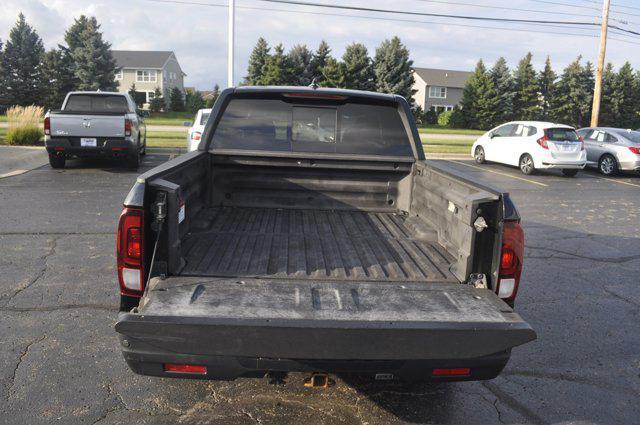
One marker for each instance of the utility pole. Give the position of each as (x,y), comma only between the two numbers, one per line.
(231,40)
(597,91)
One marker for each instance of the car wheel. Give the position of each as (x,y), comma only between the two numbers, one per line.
(479,155)
(526,164)
(569,172)
(608,165)
(57,161)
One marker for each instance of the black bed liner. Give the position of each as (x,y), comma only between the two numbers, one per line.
(323,320)
(312,244)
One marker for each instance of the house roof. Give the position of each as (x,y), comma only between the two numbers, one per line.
(443,77)
(141,58)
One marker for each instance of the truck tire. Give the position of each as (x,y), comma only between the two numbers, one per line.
(134,160)
(57,161)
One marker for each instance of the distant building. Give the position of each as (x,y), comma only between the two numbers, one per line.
(148,70)
(440,89)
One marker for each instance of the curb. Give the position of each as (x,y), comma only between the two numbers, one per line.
(16,160)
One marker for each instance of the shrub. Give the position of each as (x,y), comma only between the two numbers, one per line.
(431,116)
(24,125)
(451,119)
(24,136)
(444,118)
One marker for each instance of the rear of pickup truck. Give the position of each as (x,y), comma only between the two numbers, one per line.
(309,234)
(95,124)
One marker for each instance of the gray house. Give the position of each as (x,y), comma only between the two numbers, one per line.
(440,89)
(148,70)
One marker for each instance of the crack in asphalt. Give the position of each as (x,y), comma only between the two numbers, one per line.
(48,308)
(44,259)
(514,404)
(23,354)
(499,413)
(615,260)
(565,377)
(620,297)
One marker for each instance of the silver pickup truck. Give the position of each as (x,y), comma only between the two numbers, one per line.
(95,124)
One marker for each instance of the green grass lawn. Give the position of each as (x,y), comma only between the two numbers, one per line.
(169,118)
(166,139)
(447,146)
(435,129)
(3,135)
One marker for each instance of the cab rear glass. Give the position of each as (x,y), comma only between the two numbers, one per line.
(96,103)
(312,126)
(561,134)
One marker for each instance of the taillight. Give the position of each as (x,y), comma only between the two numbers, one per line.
(511,260)
(543,141)
(130,252)
(127,127)
(635,150)
(196,135)
(47,126)
(581,142)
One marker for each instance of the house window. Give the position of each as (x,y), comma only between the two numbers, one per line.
(146,76)
(119,75)
(438,92)
(443,108)
(150,96)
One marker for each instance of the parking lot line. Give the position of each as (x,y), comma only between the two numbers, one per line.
(502,174)
(619,181)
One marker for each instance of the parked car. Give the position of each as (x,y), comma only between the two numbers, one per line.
(194,136)
(612,149)
(95,124)
(532,145)
(337,249)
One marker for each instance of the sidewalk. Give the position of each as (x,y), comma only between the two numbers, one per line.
(15,160)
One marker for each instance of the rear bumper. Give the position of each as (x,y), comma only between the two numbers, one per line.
(630,165)
(106,148)
(145,359)
(576,165)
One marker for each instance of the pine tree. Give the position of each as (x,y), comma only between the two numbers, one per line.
(334,74)
(574,95)
(526,88)
(94,65)
(257,60)
(547,89)
(2,76)
(22,59)
(625,97)
(392,68)
(214,96)
(359,68)
(57,75)
(504,87)
(608,110)
(157,103)
(277,70)
(176,100)
(587,82)
(479,100)
(319,60)
(194,101)
(300,59)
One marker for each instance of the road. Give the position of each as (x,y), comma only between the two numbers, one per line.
(60,359)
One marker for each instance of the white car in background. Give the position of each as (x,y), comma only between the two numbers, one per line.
(531,146)
(195,131)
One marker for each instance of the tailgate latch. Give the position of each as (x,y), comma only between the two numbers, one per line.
(478,280)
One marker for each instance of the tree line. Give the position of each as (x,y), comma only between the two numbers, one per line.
(496,95)
(389,71)
(29,75)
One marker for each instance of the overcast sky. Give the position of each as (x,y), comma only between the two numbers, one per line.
(198,34)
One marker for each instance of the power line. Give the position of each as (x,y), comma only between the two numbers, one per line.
(485,6)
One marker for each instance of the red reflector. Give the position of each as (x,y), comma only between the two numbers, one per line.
(116,149)
(456,371)
(59,149)
(185,368)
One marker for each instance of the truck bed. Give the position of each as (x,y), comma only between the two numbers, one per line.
(312,244)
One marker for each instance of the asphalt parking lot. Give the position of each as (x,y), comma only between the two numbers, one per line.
(60,359)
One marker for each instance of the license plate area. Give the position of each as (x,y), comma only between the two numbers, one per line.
(89,142)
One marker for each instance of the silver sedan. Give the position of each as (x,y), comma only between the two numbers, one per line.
(611,149)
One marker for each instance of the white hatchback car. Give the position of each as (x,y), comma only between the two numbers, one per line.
(195,131)
(532,145)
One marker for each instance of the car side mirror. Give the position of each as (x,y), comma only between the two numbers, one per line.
(491,135)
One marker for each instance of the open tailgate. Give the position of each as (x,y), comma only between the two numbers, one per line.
(323,320)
